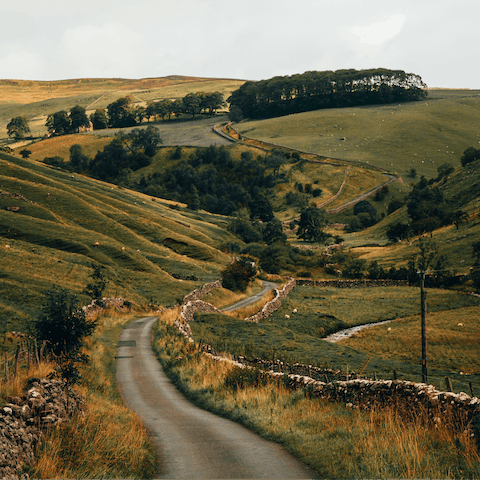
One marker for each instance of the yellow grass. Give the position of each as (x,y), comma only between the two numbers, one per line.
(453,340)
(254,308)
(335,441)
(60,146)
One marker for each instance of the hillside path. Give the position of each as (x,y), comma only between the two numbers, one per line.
(192,443)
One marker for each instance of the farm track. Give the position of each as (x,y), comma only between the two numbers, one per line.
(219,129)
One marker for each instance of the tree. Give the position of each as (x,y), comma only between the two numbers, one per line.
(475,270)
(18,128)
(191,104)
(94,289)
(398,231)
(121,113)
(25,153)
(238,275)
(78,159)
(78,118)
(273,232)
(245,229)
(59,123)
(354,268)
(99,119)
(64,326)
(471,154)
(310,225)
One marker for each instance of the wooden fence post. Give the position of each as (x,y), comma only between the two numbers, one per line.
(36,353)
(471,388)
(449,384)
(17,355)
(7,375)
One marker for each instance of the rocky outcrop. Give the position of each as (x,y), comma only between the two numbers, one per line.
(45,404)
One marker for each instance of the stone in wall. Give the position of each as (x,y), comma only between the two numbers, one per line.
(274,304)
(45,404)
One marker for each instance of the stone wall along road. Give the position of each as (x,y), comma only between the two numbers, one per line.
(191,442)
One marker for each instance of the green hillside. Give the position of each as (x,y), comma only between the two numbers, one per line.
(421,135)
(55,225)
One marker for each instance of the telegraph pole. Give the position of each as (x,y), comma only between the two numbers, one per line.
(423,308)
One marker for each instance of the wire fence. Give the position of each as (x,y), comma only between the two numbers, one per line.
(27,353)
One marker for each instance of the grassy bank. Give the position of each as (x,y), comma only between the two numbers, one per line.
(298,337)
(110,441)
(418,135)
(335,441)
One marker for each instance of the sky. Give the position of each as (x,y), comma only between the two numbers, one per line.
(243,39)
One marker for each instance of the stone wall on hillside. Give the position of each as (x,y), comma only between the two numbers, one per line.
(187,313)
(200,292)
(45,404)
(351,283)
(110,302)
(274,304)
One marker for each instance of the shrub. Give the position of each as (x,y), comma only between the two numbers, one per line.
(239,274)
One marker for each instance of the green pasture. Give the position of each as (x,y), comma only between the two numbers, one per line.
(298,337)
(421,135)
(66,223)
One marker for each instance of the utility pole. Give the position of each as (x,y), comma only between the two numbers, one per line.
(423,309)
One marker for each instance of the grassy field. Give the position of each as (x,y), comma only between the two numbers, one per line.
(421,135)
(66,223)
(337,442)
(35,100)
(298,337)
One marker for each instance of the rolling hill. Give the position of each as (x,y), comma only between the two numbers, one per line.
(55,225)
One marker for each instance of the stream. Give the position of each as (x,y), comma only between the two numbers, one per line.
(348,332)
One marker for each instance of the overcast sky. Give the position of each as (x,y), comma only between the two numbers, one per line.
(245,39)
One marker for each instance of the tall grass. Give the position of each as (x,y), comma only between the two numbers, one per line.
(453,340)
(336,441)
(110,441)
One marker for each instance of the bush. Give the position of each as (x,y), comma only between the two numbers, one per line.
(238,275)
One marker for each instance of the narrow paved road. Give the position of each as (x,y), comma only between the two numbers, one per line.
(251,300)
(191,442)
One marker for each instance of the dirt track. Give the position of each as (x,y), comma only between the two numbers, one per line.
(191,442)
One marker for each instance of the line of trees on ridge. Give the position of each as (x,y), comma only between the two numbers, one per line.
(123,112)
(328,89)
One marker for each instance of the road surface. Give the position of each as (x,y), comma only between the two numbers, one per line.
(251,300)
(191,442)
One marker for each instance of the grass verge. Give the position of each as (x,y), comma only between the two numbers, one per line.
(110,442)
(335,441)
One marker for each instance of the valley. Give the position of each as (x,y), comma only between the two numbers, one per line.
(162,228)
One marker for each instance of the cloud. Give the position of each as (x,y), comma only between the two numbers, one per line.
(20,63)
(112,49)
(377,33)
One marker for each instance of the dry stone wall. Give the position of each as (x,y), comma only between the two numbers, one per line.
(274,304)
(304,282)
(408,398)
(45,404)
(200,292)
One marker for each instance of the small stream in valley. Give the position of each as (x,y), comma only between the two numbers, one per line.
(348,332)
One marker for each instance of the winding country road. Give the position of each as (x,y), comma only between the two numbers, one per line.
(191,442)
(254,298)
